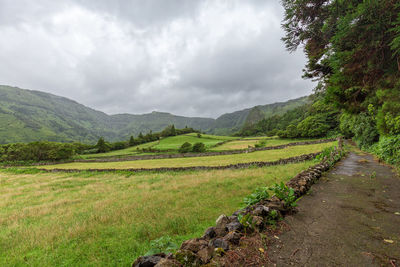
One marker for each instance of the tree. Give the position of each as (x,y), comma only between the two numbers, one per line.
(173,131)
(199,147)
(353,50)
(102,146)
(132,141)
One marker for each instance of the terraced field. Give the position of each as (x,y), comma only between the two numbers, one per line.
(108,219)
(268,155)
(168,144)
(245,143)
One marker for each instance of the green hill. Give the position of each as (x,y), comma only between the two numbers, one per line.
(233,122)
(27,116)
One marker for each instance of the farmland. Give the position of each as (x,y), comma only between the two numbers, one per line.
(268,155)
(90,218)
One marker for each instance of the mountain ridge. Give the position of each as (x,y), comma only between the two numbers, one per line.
(31,115)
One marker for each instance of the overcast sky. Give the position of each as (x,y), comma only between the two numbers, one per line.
(187,57)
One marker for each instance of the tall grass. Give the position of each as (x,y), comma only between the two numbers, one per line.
(90,219)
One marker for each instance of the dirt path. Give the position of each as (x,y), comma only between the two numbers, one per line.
(351,217)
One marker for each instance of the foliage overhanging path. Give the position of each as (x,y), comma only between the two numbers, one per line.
(350,218)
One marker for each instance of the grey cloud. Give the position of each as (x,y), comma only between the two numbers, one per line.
(196,58)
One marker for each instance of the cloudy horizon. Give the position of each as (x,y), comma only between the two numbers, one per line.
(189,58)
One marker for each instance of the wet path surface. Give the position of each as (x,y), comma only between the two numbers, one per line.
(351,217)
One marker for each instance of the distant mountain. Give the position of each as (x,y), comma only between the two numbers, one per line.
(27,115)
(233,122)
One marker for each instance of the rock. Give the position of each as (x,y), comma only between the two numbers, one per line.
(187,258)
(194,245)
(233,238)
(236,213)
(219,243)
(233,218)
(220,231)
(147,261)
(222,221)
(261,211)
(206,254)
(168,263)
(209,233)
(258,222)
(234,226)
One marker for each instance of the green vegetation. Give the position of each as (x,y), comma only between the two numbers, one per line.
(230,123)
(39,151)
(259,194)
(29,116)
(175,142)
(93,219)
(353,50)
(245,143)
(185,148)
(269,155)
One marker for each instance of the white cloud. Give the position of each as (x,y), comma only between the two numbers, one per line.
(199,59)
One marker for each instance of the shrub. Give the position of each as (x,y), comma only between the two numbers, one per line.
(185,147)
(285,193)
(199,147)
(259,194)
(261,143)
(313,126)
(291,131)
(388,149)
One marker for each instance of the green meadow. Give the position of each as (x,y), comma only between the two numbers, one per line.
(108,219)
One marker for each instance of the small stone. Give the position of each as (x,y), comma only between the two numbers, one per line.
(206,254)
(167,263)
(233,218)
(234,226)
(194,245)
(187,258)
(388,241)
(233,238)
(222,221)
(219,243)
(209,233)
(261,211)
(258,221)
(147,261)
(220,231)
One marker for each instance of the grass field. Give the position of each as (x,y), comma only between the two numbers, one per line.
(169,143)
(268,155)
(245,143)
(175,142)
(92,219)
(130,151)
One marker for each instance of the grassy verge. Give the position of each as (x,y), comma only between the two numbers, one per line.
(268,155)
(91,219)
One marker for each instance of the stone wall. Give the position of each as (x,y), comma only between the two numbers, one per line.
(200,168)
